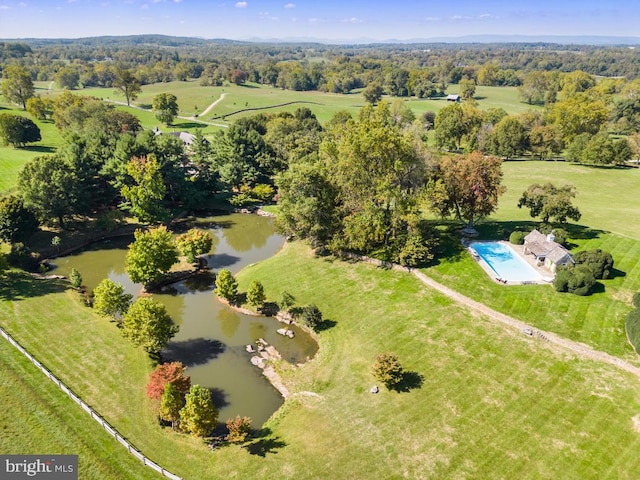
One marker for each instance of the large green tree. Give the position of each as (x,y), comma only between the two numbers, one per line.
(127,84)
(145,198)
(151,255)
(110,299)
(193,243)
(170,405)
(165,107)
(549,201)
(226,285)
(147,324)
(49,185)
(17,222)
(509,138)
(467,186)
(199,415)
(17,130)
(377,169)
(307,203)
(17,85)
(580,113)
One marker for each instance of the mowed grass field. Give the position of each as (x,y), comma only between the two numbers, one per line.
(484,402)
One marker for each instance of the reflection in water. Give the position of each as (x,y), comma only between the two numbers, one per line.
(212,337)
(229,322)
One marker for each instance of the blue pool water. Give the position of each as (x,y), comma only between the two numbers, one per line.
(505,263)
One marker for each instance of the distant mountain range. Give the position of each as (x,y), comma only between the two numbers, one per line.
(166,40)
(559,39)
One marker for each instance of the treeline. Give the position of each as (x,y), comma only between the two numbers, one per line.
(403,69)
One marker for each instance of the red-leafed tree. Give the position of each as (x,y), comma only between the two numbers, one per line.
(168,373)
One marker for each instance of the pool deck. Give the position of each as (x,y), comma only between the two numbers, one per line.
(547,276)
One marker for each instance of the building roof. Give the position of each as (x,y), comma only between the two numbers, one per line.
(544,246)
(454,98)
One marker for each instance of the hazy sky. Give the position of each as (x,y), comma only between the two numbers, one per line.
(328,19)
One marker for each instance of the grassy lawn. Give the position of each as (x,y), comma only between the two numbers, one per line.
(36,417)
(485,402)
(12,159)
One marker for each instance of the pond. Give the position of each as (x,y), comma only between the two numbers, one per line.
(212,337)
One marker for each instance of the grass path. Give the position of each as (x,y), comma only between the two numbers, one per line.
(584,351)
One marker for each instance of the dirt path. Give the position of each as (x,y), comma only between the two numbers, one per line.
(210,107)
(582,350)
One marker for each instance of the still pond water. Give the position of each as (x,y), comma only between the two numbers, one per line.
(212,337)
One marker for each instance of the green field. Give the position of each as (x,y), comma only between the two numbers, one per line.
(484,401)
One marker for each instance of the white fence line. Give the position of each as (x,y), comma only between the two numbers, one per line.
(92,413)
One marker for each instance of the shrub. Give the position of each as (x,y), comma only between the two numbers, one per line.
(164,373)
(388,370)
(577,279)
(311,316)
(22,257)
(286,301)
(517,237)
(239,428)
(193,243)
(636,300)
(600,263)
(75,278)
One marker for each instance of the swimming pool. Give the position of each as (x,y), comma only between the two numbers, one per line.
(505,263)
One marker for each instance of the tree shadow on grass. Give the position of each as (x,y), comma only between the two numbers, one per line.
(264,443)
(39,149)
(326,324)
(192,352)
(615,273)
(410,381)
(19,286)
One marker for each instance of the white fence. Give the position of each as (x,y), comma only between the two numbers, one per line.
(95,415)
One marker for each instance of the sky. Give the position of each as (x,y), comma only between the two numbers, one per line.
(325,19)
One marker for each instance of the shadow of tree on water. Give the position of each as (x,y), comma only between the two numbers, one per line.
(192,352)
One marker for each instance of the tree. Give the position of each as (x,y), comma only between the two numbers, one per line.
(193,243)
(39,108)
(165,107)
(171,403)
(17,222)
(147,324)
(164,373)
(17,130)
(239,428)
(151,255)
(17,85)
(255,294)
(373,93)
(578,114)
(49,185)
(226,285)
(550,201)
(467,187)
(388,370)
(307,203)
(144,199)
(199,415)
(67,77)
(509,137)
(311,316)
(126,83)
(109,299)
(534,87)
(467,88)
(286,301)
(75,278)
(545,142)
